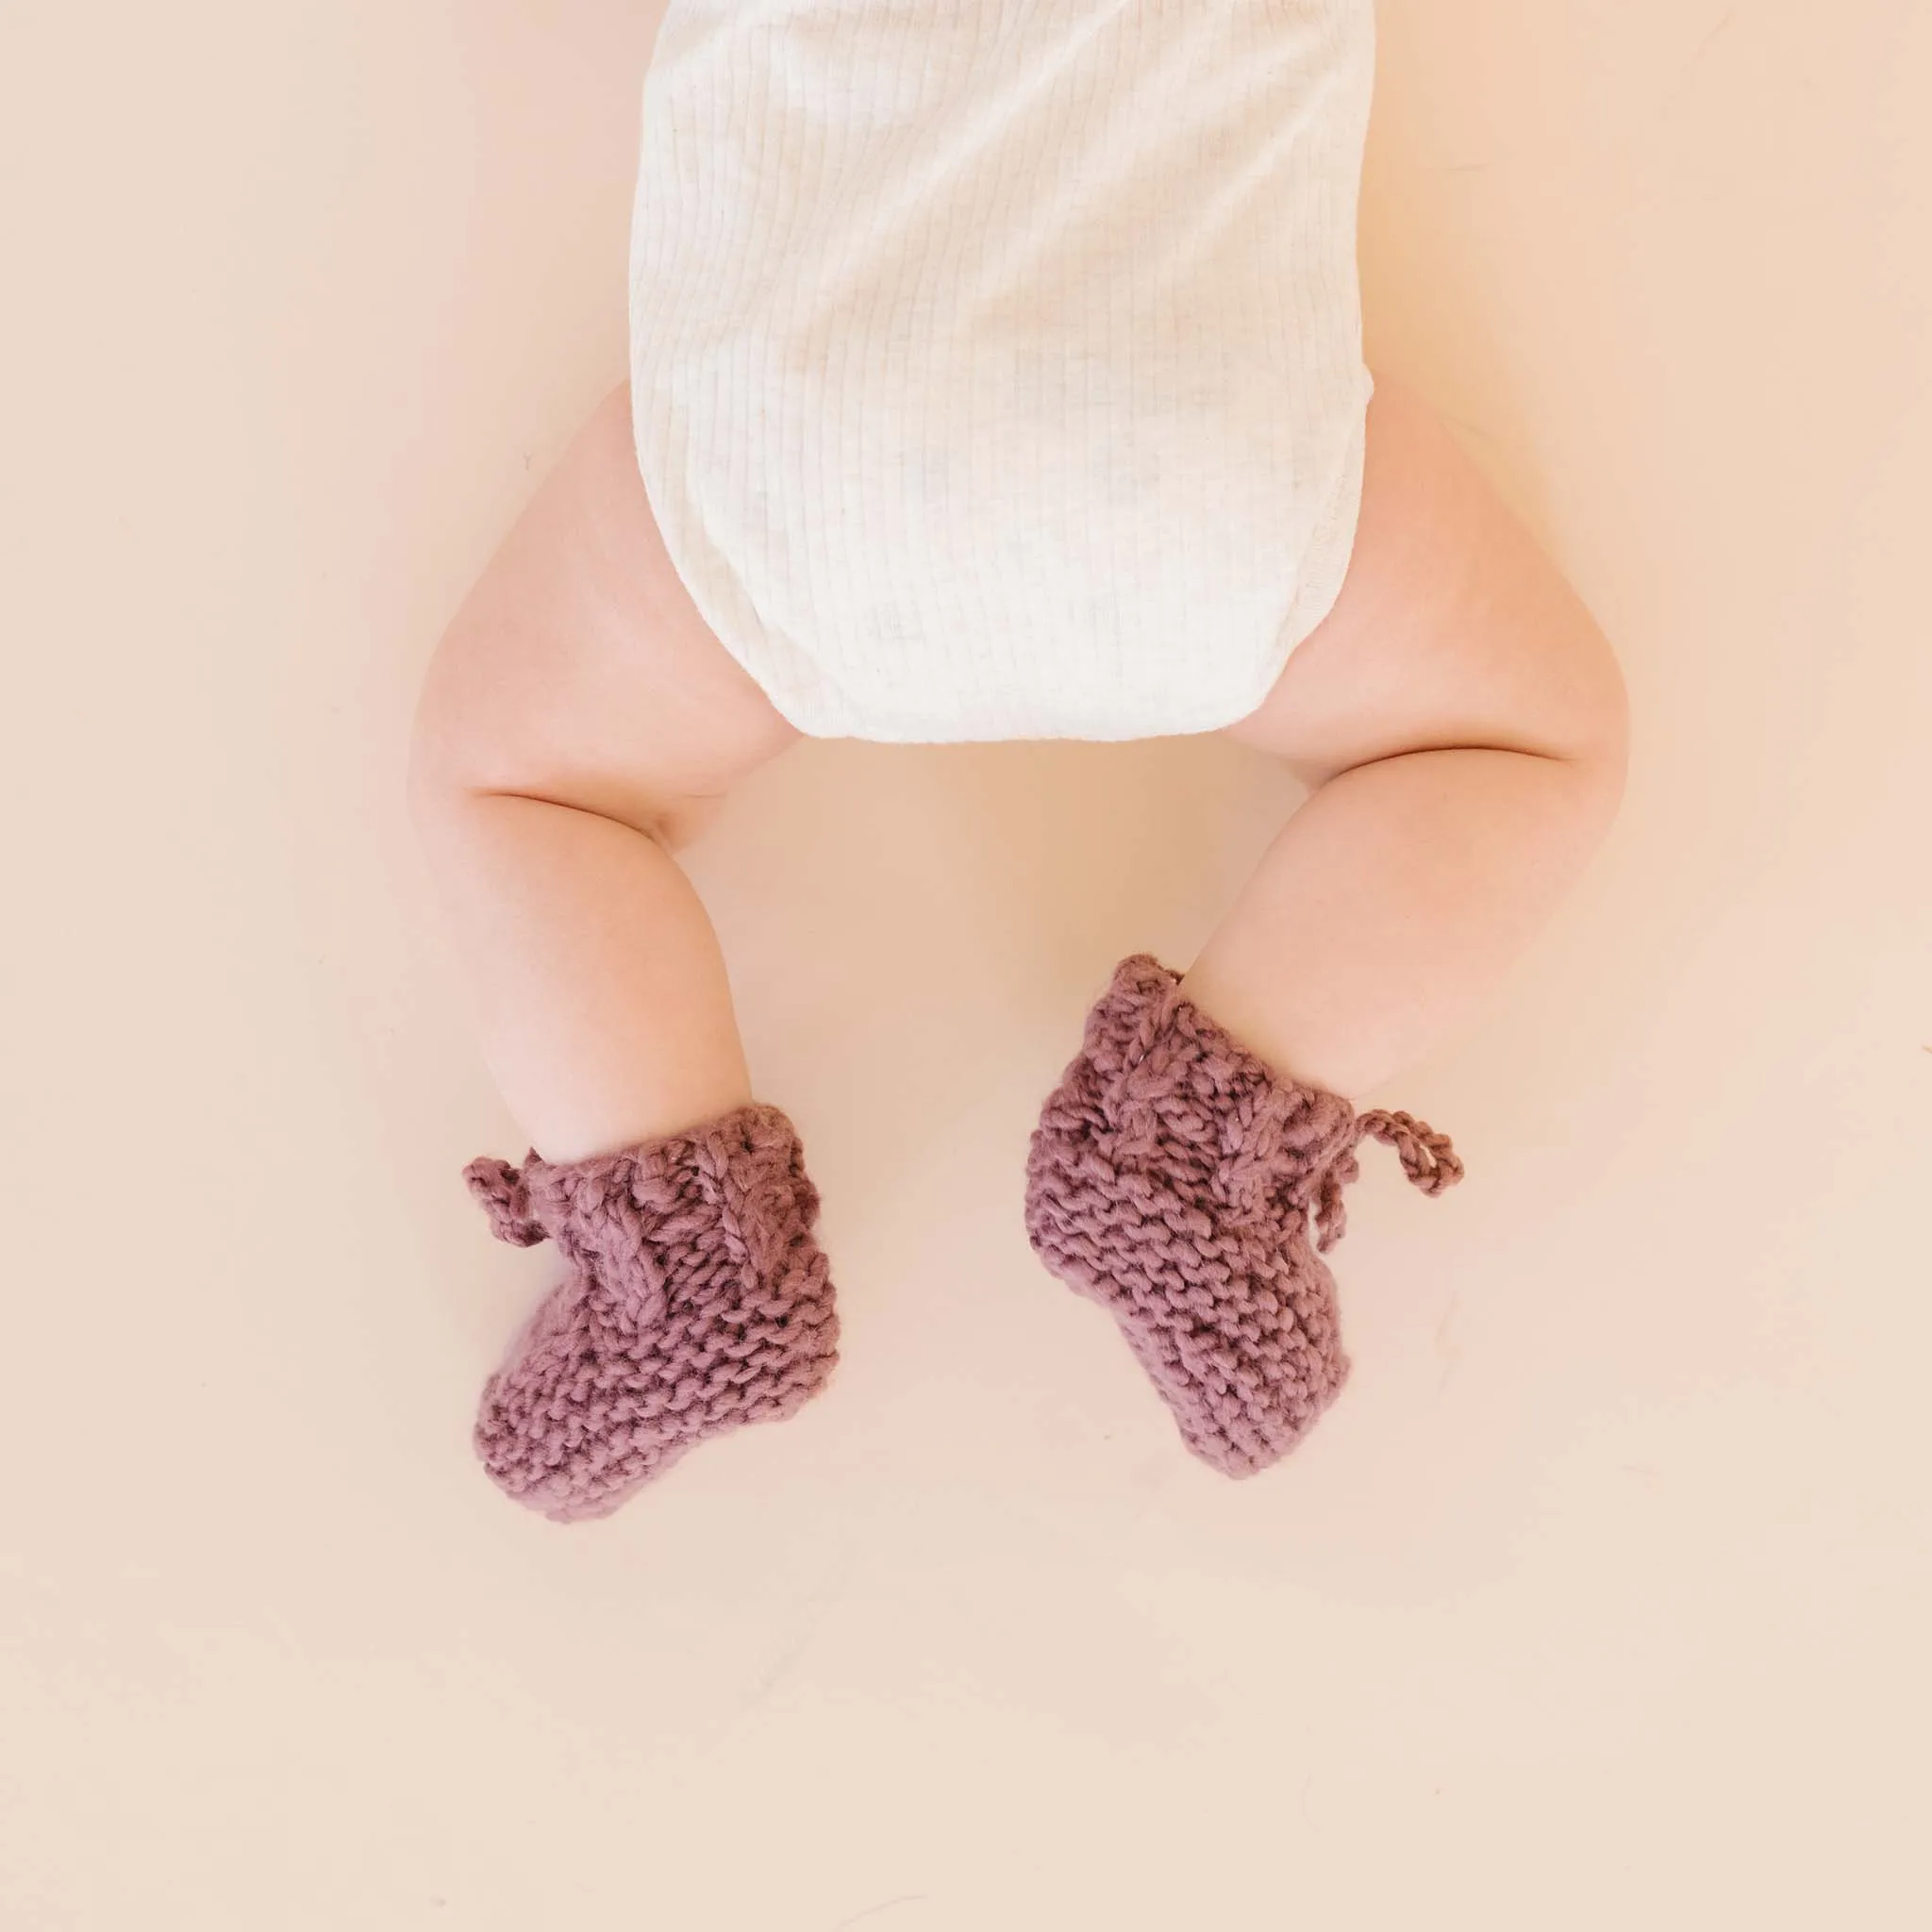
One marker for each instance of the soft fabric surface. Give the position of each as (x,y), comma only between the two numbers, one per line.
(996,367)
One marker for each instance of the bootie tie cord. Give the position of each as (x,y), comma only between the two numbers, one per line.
(503,1193)
(1428,1162)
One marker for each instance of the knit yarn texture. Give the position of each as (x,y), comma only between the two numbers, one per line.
(696,1300)
(1189,1189)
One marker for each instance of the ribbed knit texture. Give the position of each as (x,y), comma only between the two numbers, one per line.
(696,1300)
(1174,1179)
(997,365)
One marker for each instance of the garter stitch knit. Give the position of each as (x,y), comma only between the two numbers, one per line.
(696,1300)
(1174,1178)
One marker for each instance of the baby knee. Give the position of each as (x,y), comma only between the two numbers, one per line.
(469,747)
(445,755)
(1600,731)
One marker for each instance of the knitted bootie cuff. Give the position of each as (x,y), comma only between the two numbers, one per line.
(695,1300)
(1176,1179)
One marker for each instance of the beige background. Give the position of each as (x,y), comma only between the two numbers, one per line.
(1602,1601)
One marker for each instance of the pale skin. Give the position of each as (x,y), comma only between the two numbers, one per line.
(1458,715)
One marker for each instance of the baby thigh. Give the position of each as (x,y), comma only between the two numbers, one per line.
(1462,722)
(578,722)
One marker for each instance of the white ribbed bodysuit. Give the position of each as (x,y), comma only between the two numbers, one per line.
(998,364)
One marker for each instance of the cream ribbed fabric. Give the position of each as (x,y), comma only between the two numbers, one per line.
(997,363)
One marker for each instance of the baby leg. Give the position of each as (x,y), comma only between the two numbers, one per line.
(578,721)
(1463,722)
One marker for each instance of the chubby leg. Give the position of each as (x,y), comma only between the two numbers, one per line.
(1463,724)
(575,724)
(1461,721)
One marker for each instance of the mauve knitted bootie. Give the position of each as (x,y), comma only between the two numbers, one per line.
(696,1300)
(1173,1179)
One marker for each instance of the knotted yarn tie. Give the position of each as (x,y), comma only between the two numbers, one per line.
(1428,1160)
(503,1193)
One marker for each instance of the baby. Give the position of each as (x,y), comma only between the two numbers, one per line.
(996,372)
